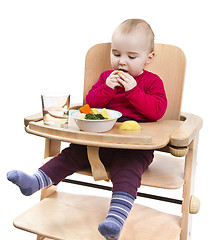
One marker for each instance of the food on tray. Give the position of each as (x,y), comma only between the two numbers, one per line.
(86,109)
(95,111)
(129,125)
(104,112)
(93,114)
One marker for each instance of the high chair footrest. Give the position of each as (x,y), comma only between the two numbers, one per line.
(64,216)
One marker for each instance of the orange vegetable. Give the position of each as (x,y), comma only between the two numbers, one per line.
(86,109)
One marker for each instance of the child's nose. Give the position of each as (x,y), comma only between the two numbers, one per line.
(122,61)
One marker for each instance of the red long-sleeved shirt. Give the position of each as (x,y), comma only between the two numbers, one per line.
(145,102)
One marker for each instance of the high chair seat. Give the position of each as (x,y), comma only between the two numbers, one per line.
(165,172)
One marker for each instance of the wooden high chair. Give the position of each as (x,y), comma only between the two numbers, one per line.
(64,216)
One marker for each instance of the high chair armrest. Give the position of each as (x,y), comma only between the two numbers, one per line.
(33,118)
(185,133)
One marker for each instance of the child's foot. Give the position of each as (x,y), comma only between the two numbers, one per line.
(29,184)
(121,204)
(110,230)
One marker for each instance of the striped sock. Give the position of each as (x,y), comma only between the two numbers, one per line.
(120,206)
(29,184)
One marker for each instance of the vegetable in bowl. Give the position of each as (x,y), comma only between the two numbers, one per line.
(94,116)
(92,113)
(101,121)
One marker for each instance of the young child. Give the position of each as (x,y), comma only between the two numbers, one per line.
(138,95)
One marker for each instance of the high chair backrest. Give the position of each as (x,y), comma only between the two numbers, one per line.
(169,64)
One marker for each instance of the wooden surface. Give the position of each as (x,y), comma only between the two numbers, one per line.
(176,133)
(151,136)
(188,189)
(164,172)
(186,132)
(64,216)
(98,169)
(52,148)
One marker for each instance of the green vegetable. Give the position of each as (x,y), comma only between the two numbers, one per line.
(94,116)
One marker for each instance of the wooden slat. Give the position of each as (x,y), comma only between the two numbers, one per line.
(169,64)
(98,169)
(64,216)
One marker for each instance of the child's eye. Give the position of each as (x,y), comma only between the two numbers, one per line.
(116,54)
(132,57)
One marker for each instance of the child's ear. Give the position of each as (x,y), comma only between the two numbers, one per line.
(150,58)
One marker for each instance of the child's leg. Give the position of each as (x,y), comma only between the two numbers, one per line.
(128,167)
(126,172)
(72,159)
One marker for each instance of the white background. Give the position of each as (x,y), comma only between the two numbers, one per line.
(43,46)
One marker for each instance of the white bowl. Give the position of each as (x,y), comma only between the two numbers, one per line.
(102,125)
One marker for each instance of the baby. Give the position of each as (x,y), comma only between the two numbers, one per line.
(139,95)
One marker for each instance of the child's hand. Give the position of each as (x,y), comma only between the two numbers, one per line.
(126,80)
(113,80)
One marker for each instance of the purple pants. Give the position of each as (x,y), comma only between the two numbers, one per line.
(126,165)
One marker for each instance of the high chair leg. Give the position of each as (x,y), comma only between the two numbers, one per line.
(52,148)
(189,177)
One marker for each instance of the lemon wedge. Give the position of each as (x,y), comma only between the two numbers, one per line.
(95,111)
(104,112)
(130,125)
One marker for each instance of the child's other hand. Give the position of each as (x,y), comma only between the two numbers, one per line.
(126,80)
(113,80)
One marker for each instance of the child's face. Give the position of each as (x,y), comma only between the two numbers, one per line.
(129,52)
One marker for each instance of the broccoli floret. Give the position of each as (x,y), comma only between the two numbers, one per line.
(94,116)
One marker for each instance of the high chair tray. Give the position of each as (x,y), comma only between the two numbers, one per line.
(64,216)
(151,136)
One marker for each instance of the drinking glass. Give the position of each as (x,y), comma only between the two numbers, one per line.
(55,108)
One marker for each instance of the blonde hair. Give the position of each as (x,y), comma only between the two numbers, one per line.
(129,25)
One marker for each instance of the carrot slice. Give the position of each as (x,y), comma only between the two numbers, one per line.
(86,109)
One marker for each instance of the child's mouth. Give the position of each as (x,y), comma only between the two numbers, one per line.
(123,70)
